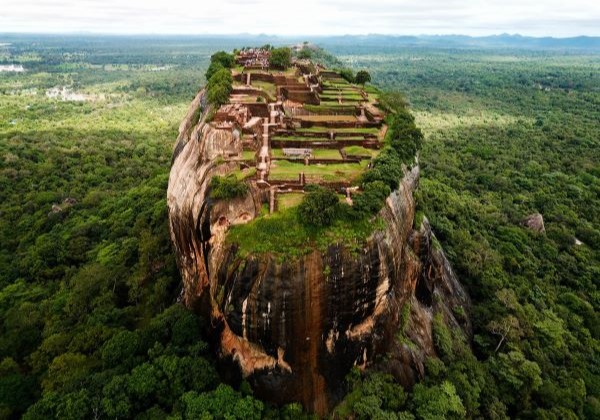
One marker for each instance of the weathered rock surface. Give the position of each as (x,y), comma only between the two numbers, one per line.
(66,204)
(296,327)
(535,222)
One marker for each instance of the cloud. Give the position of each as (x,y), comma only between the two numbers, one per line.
(304,17)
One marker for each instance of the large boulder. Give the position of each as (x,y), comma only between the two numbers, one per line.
(535,222)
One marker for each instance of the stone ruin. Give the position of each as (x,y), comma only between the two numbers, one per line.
(306,114)
(294,327)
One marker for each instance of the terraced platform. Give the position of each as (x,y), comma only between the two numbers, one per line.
(299,126)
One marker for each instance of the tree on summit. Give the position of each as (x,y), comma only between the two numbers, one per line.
(363,77)
(319,207)
(223,58)
(281,58)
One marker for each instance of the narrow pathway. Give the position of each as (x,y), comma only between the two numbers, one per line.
(263,165)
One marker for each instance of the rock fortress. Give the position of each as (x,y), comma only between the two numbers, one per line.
(293,320)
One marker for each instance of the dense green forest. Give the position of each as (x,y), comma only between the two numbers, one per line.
(510,133)
(90,324)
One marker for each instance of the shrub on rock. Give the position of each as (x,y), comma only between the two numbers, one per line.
(319,207)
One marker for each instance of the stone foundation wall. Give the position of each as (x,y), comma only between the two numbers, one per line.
(305,96)
(258,109)
(320,144)
(262,77)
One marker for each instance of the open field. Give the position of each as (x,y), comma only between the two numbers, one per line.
(317,154)
(333,95)
(332,108)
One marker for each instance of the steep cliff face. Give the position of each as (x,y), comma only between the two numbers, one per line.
(296,327)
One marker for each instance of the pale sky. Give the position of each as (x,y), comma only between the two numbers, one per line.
(559,18)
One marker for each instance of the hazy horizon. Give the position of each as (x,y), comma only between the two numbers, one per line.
(284,36)
(538,18)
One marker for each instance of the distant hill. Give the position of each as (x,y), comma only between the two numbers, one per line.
(579,43)
(463,41)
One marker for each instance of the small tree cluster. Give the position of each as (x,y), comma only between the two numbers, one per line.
(305,53)
(319,207)
(281,58)
(219,87)
(219,60)
(371,199)
(362,77)
(404,140)
(348,75)
(392,101)
(225,59)
(219,78)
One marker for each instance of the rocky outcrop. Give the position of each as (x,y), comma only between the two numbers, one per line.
(535,222)
(66,204)
(294,328)
(437,291)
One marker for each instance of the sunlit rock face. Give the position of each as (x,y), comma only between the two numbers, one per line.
(295,328)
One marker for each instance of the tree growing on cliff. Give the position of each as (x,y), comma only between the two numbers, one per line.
(218,95)
(371,199)
(363,77)
(219,61)
(386,167)
(392,101)
(223,58)
(219,87)
(281,58)
(212,69)
(405,137)
(221,77)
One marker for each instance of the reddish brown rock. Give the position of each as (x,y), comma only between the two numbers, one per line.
(295,328)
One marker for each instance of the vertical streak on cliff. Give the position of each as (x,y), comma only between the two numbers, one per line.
(294,330)
(314,392)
